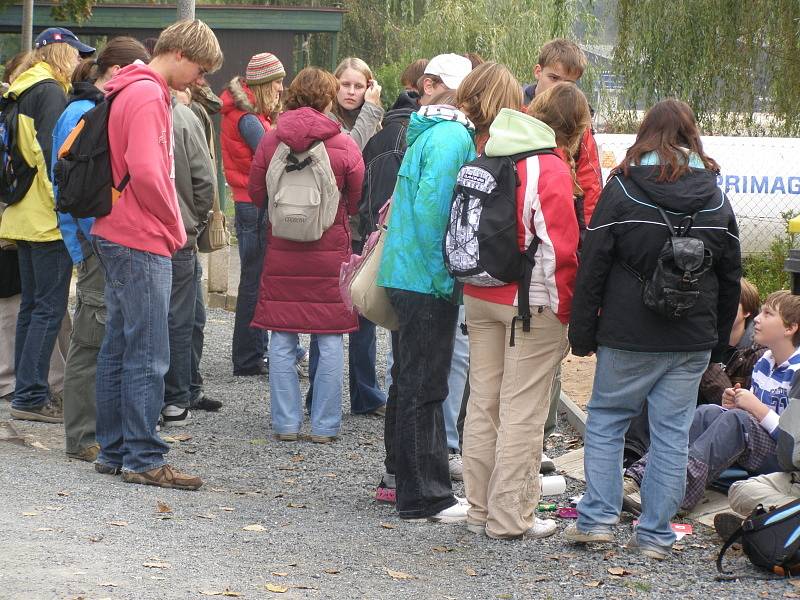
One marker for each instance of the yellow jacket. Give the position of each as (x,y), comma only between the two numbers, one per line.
(33,218)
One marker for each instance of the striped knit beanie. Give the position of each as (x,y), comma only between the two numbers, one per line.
(263,68)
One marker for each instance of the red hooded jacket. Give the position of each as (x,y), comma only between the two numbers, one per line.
(299,289)
(146,216)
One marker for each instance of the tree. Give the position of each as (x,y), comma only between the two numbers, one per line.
(727,59)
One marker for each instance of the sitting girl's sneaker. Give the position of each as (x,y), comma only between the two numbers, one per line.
(383,493)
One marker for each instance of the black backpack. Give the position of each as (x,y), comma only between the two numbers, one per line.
(771,540)
(16,175)
(83,170)
(674,287)
(481,246)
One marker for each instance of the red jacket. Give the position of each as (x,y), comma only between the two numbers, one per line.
(587,173)
(237,101)
(146,216)
(299,289)
(544,207)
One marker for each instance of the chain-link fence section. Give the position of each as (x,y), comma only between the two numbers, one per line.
(761,177)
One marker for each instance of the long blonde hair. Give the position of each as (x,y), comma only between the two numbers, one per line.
(61,58)
(565,109)
(356,64)
(265,101)
(488,88)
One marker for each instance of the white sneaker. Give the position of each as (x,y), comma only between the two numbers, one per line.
(456,467)
(542,528)
(455,514)
(547,465)
(174,417)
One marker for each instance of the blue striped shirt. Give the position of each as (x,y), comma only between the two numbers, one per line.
(771,385)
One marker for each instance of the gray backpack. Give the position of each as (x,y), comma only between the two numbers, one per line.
(302,192)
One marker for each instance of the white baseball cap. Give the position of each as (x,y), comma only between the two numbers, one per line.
(450,68)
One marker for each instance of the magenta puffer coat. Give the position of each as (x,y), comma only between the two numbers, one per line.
(299,289)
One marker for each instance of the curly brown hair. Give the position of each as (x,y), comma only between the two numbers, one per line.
(312,87)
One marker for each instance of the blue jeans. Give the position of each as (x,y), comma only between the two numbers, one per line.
(182,303)
(134,357)
(455,384)
(45,269)
(284,384)
(198,338)
(623,382)
(365,393)
(249,343)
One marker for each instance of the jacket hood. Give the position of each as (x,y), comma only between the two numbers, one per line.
(688,194)
(238,96)
(30,77)
(513,132)
(301,127)
(406,101)
(83,90)
(428,116)
(133,73)
(206,98)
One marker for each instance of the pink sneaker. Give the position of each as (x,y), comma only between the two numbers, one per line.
(385,494)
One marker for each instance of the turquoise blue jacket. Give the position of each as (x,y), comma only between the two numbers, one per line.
(440,141)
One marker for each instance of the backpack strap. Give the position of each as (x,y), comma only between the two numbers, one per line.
(737,535)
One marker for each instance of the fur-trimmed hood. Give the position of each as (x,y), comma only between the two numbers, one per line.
(237,95)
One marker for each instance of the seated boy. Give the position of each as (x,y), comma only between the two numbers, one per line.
(743,431)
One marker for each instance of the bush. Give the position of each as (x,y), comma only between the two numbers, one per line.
(765,270)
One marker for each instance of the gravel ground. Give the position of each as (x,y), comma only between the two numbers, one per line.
(68,532)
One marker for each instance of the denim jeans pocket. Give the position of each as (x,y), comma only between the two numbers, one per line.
(626,361)
(117,261)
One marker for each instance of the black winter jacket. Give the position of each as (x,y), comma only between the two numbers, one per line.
(607,309)
(382,157)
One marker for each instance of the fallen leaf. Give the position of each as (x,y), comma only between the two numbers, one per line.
(210,593)
(227,508)
(54,508)
(163,507)
(118,523)
(254,527)
(169,439)
(541,579)
(678,547)
(618,571)
(30,514)
(396,575)
(471,572)
(593,584)
(329,475)
(108,584)
(388,526)
(296,505)
(609,555)
(504,596)
(39,445)
(298,458)
(95,538)
(279,573)
(62,493)
(331,571)
(157,565)
(207,516)
(291,564)
(45,529)
(182,437)
(302,586)
(278,589)
(231,593)
(442,549)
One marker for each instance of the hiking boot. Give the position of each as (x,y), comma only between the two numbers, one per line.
(631,496)
(88,454)
(648,550)
(287,437)
(323,439)
(598,536)
(106,469)
(175,416)
(726,524)
(165,476)
(456,466)
(547,466)
(378,412)
(206,403)
(49,413)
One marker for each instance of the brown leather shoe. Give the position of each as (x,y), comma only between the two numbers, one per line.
(49,413)
(166,477)
(89,454)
